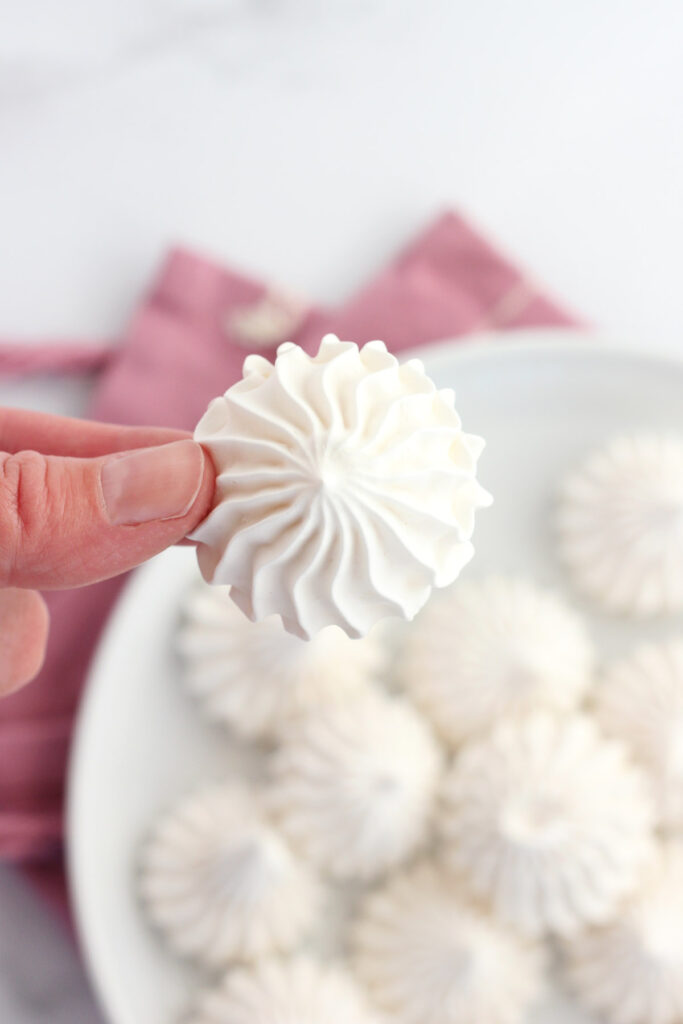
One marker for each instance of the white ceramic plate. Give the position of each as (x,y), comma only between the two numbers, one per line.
(541,399)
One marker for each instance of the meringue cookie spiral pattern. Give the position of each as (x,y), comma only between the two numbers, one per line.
(494,647)
(220,883)
(254,676)
(353,784)
(548,821)
(346,488)
(640,701)
(620,525)
(426,955)
(631,971)
(276,992)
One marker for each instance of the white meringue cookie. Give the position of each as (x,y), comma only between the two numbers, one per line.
(220,883)
(427,955)
(254,676)
(276,992)
(353,784)
(346,488)
(620,524)
(640,701)
(631,970)
(548,821)
(490,648)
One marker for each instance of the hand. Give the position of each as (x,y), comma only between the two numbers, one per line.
(80,502)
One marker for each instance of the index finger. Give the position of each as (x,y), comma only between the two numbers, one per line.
(21,429)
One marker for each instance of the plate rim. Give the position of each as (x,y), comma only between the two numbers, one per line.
(532,340)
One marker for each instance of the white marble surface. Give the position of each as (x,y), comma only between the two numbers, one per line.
(306,139)
(41,979)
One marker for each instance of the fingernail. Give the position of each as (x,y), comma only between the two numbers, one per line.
(152,483)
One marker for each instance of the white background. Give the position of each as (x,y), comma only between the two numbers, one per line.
(306,140)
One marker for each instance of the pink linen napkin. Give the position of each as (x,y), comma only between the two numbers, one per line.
(16,359)
(185,344)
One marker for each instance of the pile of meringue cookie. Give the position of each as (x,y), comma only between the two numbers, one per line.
(443,814)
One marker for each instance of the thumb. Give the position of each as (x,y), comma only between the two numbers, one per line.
(65,522)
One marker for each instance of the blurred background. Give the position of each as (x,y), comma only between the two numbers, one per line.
(305,141)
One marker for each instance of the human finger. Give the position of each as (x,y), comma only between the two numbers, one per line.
(23,429)
(24,623)
(66,522)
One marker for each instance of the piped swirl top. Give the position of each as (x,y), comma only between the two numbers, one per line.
(346,488)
